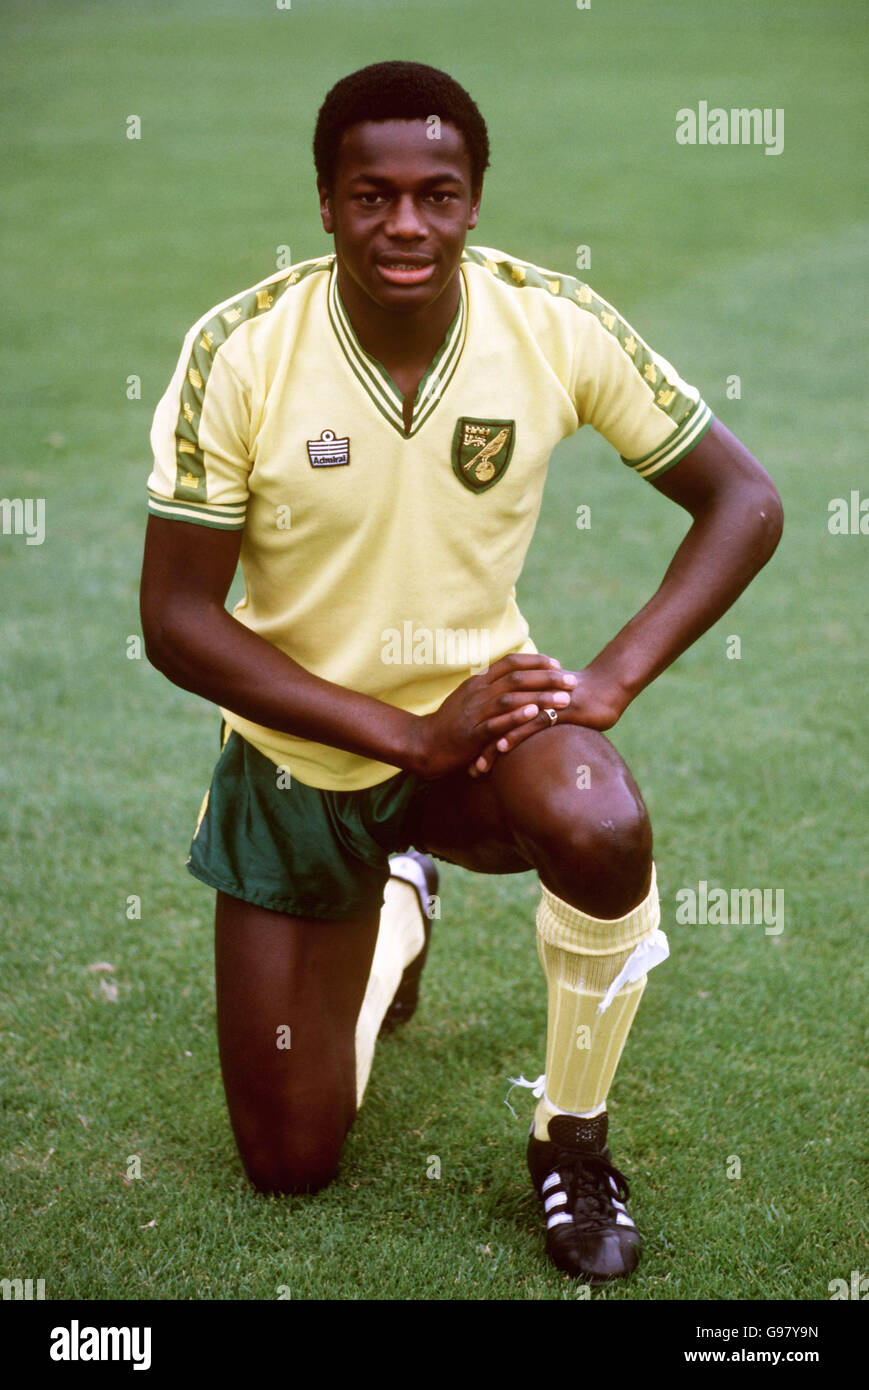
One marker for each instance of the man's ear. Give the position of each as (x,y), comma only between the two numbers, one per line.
(474,214)
(326,209)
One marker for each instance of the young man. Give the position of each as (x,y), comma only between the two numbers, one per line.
(370,432)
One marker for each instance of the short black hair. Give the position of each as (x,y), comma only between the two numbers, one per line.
(397,91)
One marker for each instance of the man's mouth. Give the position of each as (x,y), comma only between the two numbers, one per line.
(405,270)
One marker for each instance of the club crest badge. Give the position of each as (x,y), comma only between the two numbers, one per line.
(481,451)
(327,451)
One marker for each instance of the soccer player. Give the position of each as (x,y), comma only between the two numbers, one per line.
(369,433)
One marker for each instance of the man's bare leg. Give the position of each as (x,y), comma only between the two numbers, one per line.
(298,981)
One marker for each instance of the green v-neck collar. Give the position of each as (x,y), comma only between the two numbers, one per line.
(375,378)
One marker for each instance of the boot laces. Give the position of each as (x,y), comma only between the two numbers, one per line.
(589,1179)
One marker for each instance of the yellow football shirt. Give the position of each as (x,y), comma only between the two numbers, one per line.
(380,558)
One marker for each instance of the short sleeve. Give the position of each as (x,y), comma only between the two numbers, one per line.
(200,438)
(630,394)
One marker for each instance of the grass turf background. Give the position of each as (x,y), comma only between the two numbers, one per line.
(730,262)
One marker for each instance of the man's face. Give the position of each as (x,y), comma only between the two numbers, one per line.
(400,208)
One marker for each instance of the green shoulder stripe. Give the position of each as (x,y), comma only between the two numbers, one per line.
(522,275)
(211,335)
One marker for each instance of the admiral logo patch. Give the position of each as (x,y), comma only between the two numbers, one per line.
(481,451)
(327,451)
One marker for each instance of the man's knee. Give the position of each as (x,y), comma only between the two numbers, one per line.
(290,1163)
(582,822)
(290,1130)
(599,861)
(289,1179)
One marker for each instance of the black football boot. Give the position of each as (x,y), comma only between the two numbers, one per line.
(588,1231)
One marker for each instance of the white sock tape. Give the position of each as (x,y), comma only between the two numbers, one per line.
(650,952)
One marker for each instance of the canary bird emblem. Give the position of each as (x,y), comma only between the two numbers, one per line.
(481,451)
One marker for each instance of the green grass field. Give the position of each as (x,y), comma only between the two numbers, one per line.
(732,263)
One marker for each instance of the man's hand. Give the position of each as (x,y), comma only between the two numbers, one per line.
(597,702)
(510,696)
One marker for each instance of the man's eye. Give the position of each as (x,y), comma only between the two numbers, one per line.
(370,199)
(441,196)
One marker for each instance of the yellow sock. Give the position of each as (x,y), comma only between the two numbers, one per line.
(400,939)
(582,958)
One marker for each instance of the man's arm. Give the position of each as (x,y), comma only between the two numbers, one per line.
(197,644)
(737,522)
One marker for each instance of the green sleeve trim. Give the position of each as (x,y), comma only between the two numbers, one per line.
(676,446)
(219,518)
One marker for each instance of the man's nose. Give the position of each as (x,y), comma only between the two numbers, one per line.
(405,219)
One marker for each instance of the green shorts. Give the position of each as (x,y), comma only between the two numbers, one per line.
(297,849)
